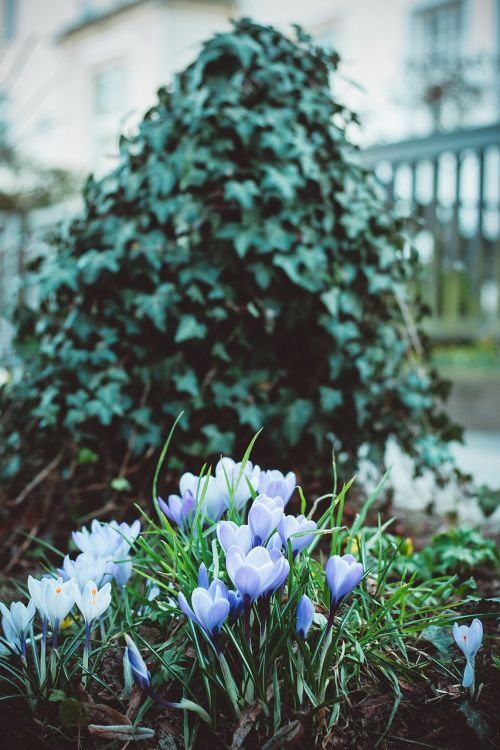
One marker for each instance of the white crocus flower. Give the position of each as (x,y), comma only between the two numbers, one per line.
(92,601)
(54,600)
(16,622)
(85,568)
(59,600)
(107,539)
(37,593)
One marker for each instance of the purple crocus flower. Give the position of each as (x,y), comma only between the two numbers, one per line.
(210,608)
(342,575)
(255,573)
(468,639)
(203,581)
(298,530)
(229,535)
(258,573)
(274,484)
(235,483)
(206,491)
(235,605)
(140,672)
(179,509)
(305,615)
(121,572)
(264,517)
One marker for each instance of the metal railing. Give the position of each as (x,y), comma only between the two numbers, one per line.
(451,183)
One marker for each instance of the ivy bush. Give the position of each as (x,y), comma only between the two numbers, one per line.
(239,264)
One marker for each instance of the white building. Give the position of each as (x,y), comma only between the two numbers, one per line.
(379,40)
(74,73)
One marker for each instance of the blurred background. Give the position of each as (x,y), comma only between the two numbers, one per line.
(423,75)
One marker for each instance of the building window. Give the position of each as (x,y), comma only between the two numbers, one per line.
(3,119)
(439,32)
(8,30)
(109,91)
(109,108)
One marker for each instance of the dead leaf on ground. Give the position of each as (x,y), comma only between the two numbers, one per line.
(125,733)
(102,714)
(245,724)
(286,736)
(134,702)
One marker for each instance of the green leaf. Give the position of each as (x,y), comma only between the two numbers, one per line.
(72,713)
(475,721)
(440,637)
(87,456)
(296,419)
(120,484)
(190,328)
(330,398)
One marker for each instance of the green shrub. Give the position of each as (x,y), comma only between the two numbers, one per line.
(238,264)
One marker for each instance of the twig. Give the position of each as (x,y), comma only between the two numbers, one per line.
(40,477)
(24,546)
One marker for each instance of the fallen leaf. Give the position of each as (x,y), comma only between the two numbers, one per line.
(245,724)
(286,736)
(102,714)
(121,732)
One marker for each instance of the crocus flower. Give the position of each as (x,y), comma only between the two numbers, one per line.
(210,608)
(275,542)
(298,530)
(469,640)
(229,535)
(107,539)
(203,581)
(92,601)
(54,599)
(274,484)
(235,482)
(264,517)
(86,567)
(305,615)
(256,572)
(206,491)
(16,622)
(235,605)
(179,509)
(342,575)
(140,672)
(121,572)
(36,589)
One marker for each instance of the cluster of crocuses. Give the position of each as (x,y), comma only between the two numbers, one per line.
(84,582)
(256,552)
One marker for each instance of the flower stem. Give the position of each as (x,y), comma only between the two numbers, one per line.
(86,652)
(43,651)
(247,605)
(24,661)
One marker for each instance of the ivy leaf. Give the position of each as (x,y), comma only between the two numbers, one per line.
(296,418)
(439,637)
(475,721)
(330,398)
(190,328)
(242,192)
(93,263)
